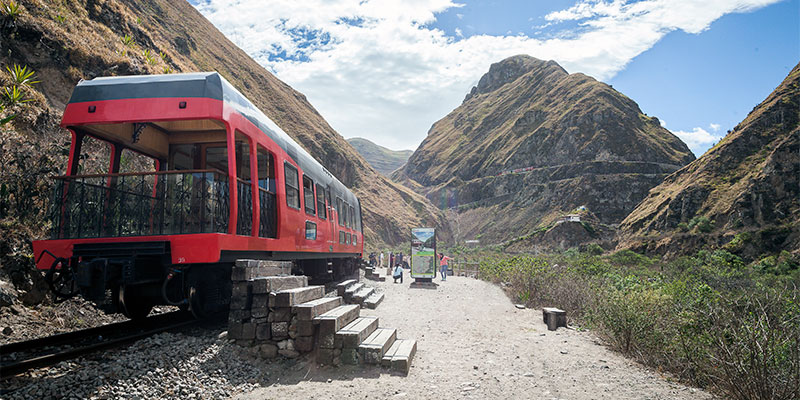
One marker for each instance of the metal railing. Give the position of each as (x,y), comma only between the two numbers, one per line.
(139,204)
(244,221)
(269,214)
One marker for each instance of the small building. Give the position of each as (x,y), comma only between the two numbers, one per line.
(472,243)
(571,218)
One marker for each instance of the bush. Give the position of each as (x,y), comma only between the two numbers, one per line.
(702,223)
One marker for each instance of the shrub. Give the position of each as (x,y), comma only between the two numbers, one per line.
(10,9)
(21,76)
(594,249)
(127,40)
(702,223)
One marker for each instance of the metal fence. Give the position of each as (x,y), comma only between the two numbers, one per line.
(138,204)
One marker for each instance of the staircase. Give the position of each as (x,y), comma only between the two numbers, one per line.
(283,315)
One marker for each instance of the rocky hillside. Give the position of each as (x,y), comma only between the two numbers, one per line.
(531,142)
(742,195)
(382,159)
(65,41)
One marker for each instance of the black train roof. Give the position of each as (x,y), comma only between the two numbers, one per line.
(213,86)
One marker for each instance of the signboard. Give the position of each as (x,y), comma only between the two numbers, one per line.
(423,253)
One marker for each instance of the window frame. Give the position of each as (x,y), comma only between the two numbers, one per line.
(307,230)
(322,211)
(313,209)
(287,166)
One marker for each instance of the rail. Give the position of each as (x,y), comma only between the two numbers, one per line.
(138,204)
(41,352)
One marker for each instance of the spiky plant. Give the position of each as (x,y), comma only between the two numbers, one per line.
(10,9)
(167,70)
(127,40)
(13,96)
(60,19)
(21,75)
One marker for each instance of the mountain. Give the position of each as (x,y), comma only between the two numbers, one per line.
(742,195)
(382,159)
(68,41)
(531,142)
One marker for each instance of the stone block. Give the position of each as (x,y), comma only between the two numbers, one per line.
(325,356)
(305,328)
(350,356)
(263,331)
(554,318)
(304,344)
(240,289)
(280,330)
(342,287)
(259,312)
(244,343)
(246,270)
(278,283)
(239,315)
(240,303)
(289,353)
(291,297)
(260,301)
(268,350)
(281,314)
(248,331)
(311,309)
(262,320)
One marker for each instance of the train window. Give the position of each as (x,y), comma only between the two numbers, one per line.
(339,210)
(323,213)
(292,187)
(308,195)
(352,215)
(217,158)
(328,195)
(341,237)
(183,157)
(242,157)
(266,170)
(345,213)
(348,237)
(311,231)
(355,239)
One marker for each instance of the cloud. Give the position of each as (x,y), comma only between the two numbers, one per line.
(698,139)
(379,69)
(714,127)
(663,123)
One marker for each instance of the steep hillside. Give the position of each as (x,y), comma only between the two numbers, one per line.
(382,159)
(531,142)
(65,41)
(743,194)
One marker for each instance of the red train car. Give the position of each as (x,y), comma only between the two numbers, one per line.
(223,182)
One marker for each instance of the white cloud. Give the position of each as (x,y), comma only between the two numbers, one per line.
(663,123)
(714,127)
(377,69)
(698,140)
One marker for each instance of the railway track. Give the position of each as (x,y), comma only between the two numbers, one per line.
(16,358)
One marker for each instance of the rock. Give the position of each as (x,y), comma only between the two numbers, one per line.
(289,353)
(268,350)
(8,331)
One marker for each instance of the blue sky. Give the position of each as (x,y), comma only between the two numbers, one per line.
(387,70)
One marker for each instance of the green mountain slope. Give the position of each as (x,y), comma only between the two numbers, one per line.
(742,195)
(382,159)
(530,142)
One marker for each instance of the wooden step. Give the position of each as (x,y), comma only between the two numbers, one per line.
(362,294)
(373,300)
(292,297)
(348,294)
(400,355)
(277,283)
(355,332)
(333,321)
(341,287)
(311,309)
(375,345)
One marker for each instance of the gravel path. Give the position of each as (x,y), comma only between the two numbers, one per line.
(471,343)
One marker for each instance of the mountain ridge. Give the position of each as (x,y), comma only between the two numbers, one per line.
(384,160)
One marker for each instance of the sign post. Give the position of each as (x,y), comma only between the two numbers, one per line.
(423,257)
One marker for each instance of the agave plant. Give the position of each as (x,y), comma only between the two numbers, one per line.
(21,75)
(6,119)
(148,56)
(127,40)
(60,19)
(163,56)
(10,9)
(13,96)
(167,70)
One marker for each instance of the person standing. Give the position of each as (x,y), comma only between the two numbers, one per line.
(391,259)
(398,273)
(444,266)
(380,260)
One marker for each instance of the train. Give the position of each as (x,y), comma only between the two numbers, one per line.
(195,178)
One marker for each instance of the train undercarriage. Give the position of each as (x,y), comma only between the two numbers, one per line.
(132,277)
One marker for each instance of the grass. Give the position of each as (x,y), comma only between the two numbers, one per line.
(10,9)
(709,319)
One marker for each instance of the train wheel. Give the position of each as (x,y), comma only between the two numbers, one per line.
(133,306)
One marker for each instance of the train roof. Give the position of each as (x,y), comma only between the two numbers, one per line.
(204,85)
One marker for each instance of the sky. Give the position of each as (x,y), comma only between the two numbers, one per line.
(386,70)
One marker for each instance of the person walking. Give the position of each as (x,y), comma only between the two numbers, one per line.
(444,261)
(398,273)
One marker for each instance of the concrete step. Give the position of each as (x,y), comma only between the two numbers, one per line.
(355,332)
(399,355)
(278,283)
(361,295)
(348,294)
(310,309)
(341,287)
(292,297)
(333,321)
(373,300)
(375,345)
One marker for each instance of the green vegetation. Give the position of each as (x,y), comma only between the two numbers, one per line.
(21,75)
(702,223)
(127,40)
(709,319)
(149,57)
(60,18)
(13,96)
(10,9)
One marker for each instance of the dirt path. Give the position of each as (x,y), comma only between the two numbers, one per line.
(473,343)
